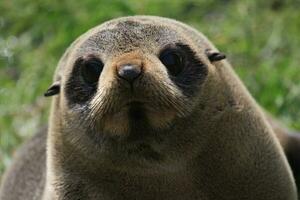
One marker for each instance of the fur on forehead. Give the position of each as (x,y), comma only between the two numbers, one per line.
(134,32)
(126,36)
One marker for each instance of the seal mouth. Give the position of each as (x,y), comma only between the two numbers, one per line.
(136,110)
(135,103)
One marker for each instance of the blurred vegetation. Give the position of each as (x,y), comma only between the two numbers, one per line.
(261,39)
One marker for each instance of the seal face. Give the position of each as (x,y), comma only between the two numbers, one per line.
(126,83)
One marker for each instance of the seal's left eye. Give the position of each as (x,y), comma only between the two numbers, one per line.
(91,70)
(173,61)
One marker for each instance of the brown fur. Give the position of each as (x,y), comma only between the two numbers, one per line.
(290,141)
(204,138)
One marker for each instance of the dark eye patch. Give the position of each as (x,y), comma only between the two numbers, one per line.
(185,68)
(82,83)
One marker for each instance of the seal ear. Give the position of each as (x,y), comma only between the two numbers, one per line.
(214,56)
(53,89)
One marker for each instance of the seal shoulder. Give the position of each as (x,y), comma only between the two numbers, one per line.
(26,176)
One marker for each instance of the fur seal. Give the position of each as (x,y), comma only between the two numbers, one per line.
(147,108)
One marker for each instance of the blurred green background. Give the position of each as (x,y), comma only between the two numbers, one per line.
(260,38)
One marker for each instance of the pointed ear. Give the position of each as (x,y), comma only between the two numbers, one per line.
(214,56)
(53,89)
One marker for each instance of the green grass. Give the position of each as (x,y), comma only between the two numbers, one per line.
(260,38)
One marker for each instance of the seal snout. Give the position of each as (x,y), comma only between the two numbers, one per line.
(129,72)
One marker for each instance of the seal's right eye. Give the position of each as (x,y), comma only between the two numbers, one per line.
(91,69)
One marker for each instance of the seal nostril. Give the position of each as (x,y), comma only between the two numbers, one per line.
(129,72)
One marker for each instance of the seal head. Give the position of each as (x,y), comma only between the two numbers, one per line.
(130,85)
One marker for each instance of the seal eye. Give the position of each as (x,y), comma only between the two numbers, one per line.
(172,60)
(91,70)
